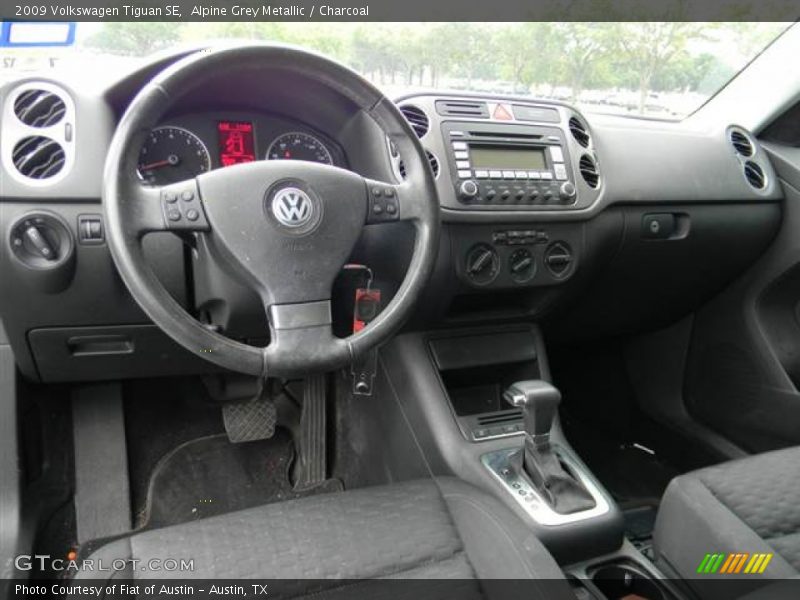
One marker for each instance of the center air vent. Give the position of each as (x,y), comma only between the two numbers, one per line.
(39,108)
(755,175)
(579,132)
(432,161)
(417,118)
(462,108)
(589,172)
(38,157)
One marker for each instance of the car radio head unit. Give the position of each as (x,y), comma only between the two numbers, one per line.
(500,165)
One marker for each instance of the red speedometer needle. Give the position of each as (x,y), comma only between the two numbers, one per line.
(170,160)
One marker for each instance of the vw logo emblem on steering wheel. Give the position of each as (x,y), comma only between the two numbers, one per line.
(292,207)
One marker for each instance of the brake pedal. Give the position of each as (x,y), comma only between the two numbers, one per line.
(250,420)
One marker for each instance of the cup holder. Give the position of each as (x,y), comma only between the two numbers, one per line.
(624,581)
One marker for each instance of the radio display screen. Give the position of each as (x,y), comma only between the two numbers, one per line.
(504,157)
(235,142)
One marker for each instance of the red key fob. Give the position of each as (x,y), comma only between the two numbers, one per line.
(367,307)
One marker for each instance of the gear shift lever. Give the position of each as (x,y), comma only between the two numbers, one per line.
(539,402)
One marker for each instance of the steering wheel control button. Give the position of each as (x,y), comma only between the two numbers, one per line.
(383,203)
(185,215)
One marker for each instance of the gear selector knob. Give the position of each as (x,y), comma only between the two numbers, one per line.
(539,403)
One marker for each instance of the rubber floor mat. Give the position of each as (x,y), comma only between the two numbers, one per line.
(210,476)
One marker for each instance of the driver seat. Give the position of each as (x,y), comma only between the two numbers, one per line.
(438,529)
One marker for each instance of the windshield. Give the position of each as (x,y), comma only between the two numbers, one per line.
(645,69)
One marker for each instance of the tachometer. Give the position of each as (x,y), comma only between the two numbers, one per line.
(299,146)
(171,154)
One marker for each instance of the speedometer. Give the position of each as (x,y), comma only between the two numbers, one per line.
(299,146)
(172,154)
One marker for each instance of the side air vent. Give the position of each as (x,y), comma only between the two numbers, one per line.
(38,157)
(462,108)
(579,132)
(742,143)
(416,118)
(432,161)
(589,171)
(39,108)
(755,175)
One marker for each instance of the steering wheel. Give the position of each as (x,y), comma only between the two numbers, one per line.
(287,227)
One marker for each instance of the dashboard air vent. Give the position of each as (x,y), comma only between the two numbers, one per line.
(742,143)
(39,108)
(38,157)
(462,108)
(755,175)
(432,160)
(416,118)
(588,169)
(579,132)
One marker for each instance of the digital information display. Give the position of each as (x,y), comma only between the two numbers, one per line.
(497,157)
(235,143)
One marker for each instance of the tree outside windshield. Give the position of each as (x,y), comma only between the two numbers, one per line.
(647,69)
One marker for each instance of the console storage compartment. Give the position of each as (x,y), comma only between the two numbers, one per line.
(475,368)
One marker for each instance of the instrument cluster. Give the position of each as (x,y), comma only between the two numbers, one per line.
(185,147)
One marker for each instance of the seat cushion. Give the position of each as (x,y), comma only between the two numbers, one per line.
(750,506)
(432,529)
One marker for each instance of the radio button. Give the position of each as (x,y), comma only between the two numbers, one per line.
(459,145)
(556,154)
(519,195)
(505,195)
(534,175)
(508,175)
(495,174)
(490,194)
(547,175)
(482,174)
(462,164)
(464,173)
(461,154)
(522,175)
(469,189)
(560,171)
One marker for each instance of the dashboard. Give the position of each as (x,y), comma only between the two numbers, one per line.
(188,145)
(589,225)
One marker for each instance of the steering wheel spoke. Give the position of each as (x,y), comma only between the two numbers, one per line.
(302,336)
(391,202)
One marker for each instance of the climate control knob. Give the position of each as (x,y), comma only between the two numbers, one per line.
(468,189)
(482,264)
(567,191)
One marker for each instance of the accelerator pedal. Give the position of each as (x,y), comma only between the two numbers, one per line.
(251,419)
(310,465)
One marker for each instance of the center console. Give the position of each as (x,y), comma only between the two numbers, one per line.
(481,408)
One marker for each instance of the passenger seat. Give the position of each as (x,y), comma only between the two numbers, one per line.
(749,506)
